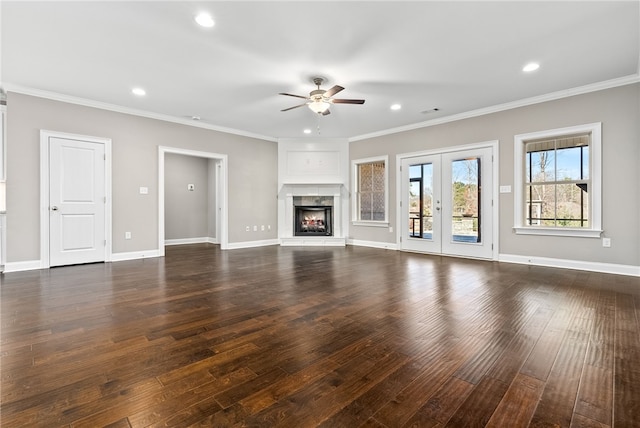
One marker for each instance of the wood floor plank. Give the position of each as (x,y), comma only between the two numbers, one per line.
(313,336)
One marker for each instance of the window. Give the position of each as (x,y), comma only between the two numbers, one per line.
(370,180)
(557,182)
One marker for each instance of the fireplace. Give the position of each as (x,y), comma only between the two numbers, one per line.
(313,221)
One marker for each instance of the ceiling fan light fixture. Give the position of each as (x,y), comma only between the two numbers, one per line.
(319,106)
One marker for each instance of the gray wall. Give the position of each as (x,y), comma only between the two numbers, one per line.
(186,212)
(252,172)
(619,111)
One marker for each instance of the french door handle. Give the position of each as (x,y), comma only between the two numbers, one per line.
(54,208)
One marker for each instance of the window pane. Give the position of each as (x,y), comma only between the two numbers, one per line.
(365,206)
(571,211)
(569,164)
(371,191)
(365,182)
(540,200)
(377,206)
(540,165)
(377,177)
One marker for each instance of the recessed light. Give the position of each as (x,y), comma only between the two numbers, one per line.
(307,131)
(395,107)
(204,20)
(139,92)
(532,66)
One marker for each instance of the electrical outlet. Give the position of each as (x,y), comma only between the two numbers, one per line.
(191,187)
(127,235)
(255,228)
(269,227)
(606,242)
(262,228)
(247,229)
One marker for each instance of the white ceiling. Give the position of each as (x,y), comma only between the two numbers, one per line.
(455,56)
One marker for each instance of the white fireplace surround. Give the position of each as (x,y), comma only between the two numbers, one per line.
(313,168)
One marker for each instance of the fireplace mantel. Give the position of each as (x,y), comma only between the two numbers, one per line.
(312,168)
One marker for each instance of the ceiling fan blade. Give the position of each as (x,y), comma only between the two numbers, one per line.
(291,108)
(331,92)
(345,101)
(292,95)
(326,112)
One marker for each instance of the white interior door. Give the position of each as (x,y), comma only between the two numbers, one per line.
(77,202)
(447,203)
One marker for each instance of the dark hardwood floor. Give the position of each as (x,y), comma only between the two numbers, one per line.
(330,337)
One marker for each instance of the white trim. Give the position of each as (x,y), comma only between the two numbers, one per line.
(222,196)
(611,268)
(22,266)
(608,84)
(494,145)
(45,135)
(370,223)
(372,244)
(354,191)
(252,244)
(186,241)
(595,178)
(9,87)
(135,255)
(313,241)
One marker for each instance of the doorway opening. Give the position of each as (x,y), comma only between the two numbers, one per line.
(221,193)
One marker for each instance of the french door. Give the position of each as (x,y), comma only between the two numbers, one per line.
(446,204)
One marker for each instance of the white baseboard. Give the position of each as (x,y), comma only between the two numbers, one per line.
(184,241)
(313,241)
(252,244)
(572,264)
(134,255)
(372,244)
(22,266)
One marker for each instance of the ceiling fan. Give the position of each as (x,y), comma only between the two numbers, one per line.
(320,100)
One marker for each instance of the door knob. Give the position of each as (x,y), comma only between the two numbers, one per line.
(54,208)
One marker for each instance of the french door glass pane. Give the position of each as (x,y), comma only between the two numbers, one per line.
(421,201)
(465,191)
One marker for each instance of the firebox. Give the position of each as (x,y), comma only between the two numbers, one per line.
(313,221)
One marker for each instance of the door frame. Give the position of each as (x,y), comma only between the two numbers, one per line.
(45,135)
(222,199)
(493,145)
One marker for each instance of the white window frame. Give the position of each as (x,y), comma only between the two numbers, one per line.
(355,212)
(595,192)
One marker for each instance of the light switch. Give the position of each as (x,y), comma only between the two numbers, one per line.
(144,190)
(505,189)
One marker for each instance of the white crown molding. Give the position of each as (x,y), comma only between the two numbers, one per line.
(607,84)
(9,87)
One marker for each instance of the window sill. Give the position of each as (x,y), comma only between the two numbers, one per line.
(370,223)
(548,231)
